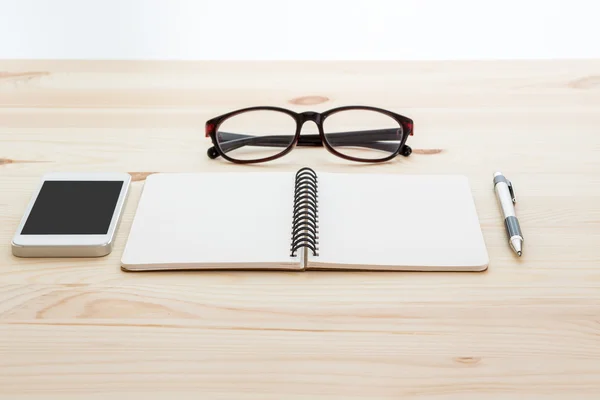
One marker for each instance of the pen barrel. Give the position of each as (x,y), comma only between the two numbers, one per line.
(505,199)
(512,227)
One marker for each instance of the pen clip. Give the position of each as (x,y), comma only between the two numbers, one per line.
(512,191)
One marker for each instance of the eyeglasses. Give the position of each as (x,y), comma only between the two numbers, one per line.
(356,133)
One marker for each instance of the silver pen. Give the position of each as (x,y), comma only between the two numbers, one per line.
(506,198)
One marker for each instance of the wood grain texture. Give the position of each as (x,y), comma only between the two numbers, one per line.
(526,328)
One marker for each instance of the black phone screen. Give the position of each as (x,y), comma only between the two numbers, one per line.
(73,208)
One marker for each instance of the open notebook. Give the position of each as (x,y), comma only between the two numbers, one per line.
(305,220)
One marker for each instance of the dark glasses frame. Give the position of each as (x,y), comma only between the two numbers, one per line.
(373,137)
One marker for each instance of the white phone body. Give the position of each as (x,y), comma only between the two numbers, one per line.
(61,244)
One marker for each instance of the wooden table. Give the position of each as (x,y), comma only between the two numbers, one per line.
(527,327)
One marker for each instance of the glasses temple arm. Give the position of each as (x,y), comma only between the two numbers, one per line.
(368,138)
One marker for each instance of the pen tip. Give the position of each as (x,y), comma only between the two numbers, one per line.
(497,174)
(516,242)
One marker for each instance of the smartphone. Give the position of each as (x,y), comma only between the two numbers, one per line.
(72,215)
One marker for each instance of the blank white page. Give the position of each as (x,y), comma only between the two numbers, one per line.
(213,220)
(398,222)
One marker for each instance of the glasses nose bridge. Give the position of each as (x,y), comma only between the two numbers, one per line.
(310,116)
(311,139)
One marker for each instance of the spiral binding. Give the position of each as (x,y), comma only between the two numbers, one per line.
(305,222)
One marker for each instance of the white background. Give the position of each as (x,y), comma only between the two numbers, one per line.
(300,29)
